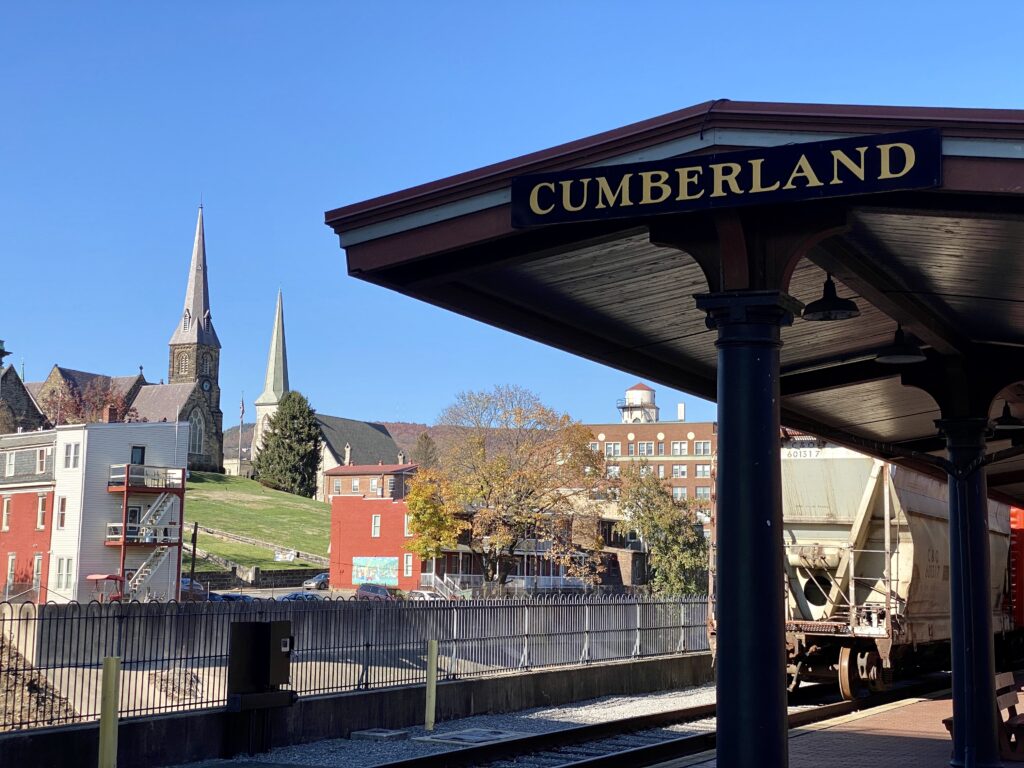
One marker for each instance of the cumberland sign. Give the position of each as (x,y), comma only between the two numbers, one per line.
(794,172)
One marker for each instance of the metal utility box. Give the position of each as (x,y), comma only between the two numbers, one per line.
(259,656)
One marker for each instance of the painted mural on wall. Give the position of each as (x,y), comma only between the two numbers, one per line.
(375,570)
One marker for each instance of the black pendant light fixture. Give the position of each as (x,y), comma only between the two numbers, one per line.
(901,351)
(1008,422)
(830,306)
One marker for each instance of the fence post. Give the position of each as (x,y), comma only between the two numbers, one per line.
(428,719)
(524,661)
(109,697)
(585,656)
(454,655)
(682,624)
(364,672)
(636,643)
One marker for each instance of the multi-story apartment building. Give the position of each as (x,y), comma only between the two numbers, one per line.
(93,511)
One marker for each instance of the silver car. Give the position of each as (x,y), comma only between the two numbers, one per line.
(320,581)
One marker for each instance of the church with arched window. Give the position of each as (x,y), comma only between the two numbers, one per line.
(191,396)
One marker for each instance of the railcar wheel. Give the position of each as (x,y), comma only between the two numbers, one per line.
(879,679)
(848,674)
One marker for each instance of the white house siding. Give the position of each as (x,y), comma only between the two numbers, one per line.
(65,543)
(166,445)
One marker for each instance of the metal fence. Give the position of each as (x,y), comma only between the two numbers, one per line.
(174,655)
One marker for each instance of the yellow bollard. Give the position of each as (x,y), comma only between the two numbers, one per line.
(109,696)
(428,720)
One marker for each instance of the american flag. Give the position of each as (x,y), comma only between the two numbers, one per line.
(241,409)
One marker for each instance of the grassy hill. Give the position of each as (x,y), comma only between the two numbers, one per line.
(243,506)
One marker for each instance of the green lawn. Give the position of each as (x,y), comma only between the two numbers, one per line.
(242,506)
(243,554)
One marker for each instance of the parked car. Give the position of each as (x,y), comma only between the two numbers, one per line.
(320,581)
(192,590)
(378,592)
(215,597)
(236,597)
(424,595)
(300,597)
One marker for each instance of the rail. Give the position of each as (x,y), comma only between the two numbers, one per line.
(174,655)
(145,476)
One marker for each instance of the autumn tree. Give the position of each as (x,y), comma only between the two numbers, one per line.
(677,550)
(510,470)
(101,401)
(290,453)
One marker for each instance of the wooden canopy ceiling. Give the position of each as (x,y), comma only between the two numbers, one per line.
(946,263)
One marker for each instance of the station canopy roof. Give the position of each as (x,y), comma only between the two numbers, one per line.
(947,263)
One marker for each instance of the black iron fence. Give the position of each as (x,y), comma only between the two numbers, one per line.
(174,655)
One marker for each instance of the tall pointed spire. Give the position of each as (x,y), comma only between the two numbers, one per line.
(276,382)
(196,325)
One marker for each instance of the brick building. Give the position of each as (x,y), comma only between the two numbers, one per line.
(90,509)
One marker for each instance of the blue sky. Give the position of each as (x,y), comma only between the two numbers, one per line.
(118,116)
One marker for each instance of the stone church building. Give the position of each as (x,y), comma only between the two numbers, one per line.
(191,394)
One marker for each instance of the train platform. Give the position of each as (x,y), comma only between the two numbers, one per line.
(908,734)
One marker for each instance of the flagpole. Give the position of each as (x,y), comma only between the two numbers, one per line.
(241,421)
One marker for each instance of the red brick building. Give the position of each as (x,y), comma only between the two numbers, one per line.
(370,526)
(26,515)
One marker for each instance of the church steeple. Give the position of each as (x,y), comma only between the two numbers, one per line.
(276,381)
(196,324)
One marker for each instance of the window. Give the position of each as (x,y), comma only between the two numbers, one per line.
(679,494)
(631,449)
(183,363)
(6,521)
(702,447)
(408,530)
(337,485)
(67,574)
(186,320)
(678,470)
(355,485)
(595,447)
(661,449)
(613,449)
(10,462)
(62,511)
(375,526)
(703,470)
(37,571)
(391,486)
(60,573)
(645,449)
(71,451)
(374,484)
(41,513)
(40,461)
(196,428)
(661,470)
(613,471)
(205,366)
(704,492)
(12,560)
(679,448)
(138,454)
(408,565)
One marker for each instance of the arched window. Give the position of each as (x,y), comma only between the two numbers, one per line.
(206,365)
(183,363)
(186,320)
(196,428)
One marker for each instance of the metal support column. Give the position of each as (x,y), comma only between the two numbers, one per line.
(975,738)
(751,658)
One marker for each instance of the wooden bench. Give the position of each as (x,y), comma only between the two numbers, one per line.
(1011,725)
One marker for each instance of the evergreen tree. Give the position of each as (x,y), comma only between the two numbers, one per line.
(290,455)
(424,453)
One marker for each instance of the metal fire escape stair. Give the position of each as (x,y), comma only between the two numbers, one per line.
(145,572)
(156,516)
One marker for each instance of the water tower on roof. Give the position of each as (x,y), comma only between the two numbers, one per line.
(638,407)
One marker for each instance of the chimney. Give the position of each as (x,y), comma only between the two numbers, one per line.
(681,412)
(348,454)
(401,457)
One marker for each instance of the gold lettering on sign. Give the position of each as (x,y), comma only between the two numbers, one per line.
(909,158)
(722,174)
(649,185)
(803,170)
(841,158)
(535,198)
(567,195)
(689,176)
(756,185)
(606,198)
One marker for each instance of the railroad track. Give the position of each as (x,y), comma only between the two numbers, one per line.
(638,741)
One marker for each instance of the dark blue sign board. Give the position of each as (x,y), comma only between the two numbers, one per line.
(861,165)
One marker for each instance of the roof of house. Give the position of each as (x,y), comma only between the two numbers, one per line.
(81,380)
(370,443)
(161,402)
(372,469)
(641,387)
